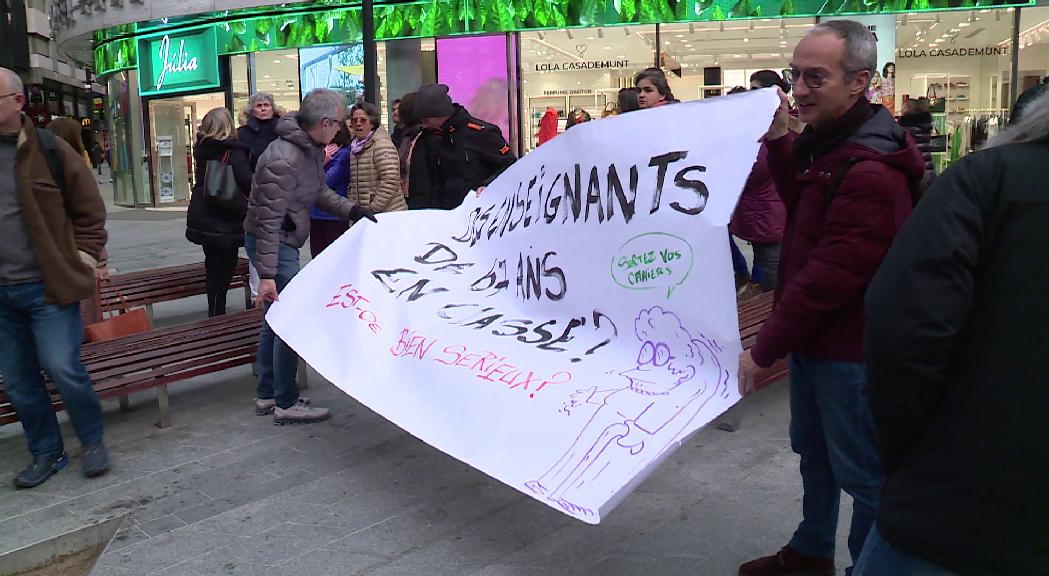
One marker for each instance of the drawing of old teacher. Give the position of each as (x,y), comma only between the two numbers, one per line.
(675,376)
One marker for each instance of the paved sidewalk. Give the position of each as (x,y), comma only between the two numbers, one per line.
(224,492)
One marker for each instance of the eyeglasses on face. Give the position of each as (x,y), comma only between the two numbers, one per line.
(813,79)
(9,94)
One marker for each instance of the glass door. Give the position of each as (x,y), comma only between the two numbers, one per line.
(173,126)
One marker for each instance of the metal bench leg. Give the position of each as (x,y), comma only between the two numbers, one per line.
(164,406)
(125,404)
(304,383)
(247,295)
(730,420)
(149,314)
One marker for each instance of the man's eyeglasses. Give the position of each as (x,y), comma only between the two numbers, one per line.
(9,94)
(813,79)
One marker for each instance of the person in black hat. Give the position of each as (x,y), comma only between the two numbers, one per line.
(469,153)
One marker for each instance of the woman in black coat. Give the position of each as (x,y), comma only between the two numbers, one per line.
(219,229)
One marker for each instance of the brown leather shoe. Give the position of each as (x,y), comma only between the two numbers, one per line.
(788,562)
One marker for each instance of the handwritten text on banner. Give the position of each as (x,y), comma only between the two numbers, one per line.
(566,330)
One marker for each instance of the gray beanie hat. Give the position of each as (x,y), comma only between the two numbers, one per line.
(432,101)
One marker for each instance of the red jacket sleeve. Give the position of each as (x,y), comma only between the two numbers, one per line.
(781,167)
(858,229)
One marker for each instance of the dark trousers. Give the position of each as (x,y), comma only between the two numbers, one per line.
(324,232)
(219,263)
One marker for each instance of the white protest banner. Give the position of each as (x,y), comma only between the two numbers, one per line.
(567,329)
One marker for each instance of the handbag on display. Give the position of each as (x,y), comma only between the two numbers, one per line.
(127,322)
(220,186)
(937,105)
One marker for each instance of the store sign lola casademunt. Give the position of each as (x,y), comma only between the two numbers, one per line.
(178,62)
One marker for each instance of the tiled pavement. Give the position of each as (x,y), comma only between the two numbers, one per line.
(224,492)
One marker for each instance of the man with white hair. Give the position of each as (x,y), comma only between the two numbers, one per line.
(289,180)
(52,235)
(848,182)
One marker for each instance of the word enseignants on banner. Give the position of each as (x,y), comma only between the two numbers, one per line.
(560,197)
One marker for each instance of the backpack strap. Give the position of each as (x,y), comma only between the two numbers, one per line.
(835,181)
(54,163)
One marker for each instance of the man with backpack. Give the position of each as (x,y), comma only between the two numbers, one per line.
(849,183)
(52,236)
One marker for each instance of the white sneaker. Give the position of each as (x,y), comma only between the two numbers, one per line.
(299,414)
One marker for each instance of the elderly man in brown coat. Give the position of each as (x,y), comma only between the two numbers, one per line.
(52,235)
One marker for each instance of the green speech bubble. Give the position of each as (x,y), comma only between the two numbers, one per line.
(652,260)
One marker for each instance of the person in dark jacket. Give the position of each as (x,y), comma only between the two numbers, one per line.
(397,134)
(259,125)
(324,227)
(760,216)
(846,184)
(957,326)
(418,160)
(1026,98)
(918,121)
(218,229)
(469,153)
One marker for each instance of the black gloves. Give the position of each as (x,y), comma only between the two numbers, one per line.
(359,212)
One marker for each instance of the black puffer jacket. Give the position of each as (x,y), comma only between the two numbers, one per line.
(258,134)
(920,126)
(205,224)
(956,340)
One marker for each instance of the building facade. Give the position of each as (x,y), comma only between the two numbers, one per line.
(166,64)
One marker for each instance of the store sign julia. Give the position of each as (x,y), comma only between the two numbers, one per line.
(178,62)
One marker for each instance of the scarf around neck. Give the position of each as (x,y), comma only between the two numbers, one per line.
(813,144)
(358,144)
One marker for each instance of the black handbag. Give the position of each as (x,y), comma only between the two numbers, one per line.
(220,186)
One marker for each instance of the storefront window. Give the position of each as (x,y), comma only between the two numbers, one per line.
(173,125)
(959,63)
(1034,47)
(566,70)
(707,59)
(126,150)
(277,72)
(238,66)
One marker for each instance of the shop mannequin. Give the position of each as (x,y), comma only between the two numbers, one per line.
(888,87)
(547,125)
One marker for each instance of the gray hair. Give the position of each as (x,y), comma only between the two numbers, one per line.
(257,97)
(1032,126)
(320,103)
(861,48)
(14,83)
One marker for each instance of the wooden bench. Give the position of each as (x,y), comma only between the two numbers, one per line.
(753,312)
(148,287)
(157,358)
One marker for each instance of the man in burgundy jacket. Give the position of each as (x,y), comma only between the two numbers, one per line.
(847,184)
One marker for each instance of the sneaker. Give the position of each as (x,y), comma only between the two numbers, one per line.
(264,407)
(96,459)
(788,562)
(299,414)
(42,468)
